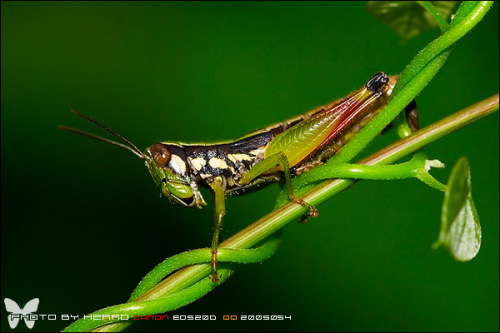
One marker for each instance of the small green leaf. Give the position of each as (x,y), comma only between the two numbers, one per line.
(460,229)
(409,18)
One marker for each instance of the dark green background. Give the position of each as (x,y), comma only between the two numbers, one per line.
(82,221)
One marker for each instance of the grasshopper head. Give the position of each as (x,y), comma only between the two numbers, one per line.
(168,167)
(166,163)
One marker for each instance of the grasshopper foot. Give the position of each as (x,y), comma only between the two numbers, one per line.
(312,210)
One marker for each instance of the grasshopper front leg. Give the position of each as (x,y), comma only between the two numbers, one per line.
(270,163)
(219,188)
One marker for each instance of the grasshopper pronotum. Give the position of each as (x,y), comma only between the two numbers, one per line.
(278,151)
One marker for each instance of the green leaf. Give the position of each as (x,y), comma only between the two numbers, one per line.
(409,18)
(460,228)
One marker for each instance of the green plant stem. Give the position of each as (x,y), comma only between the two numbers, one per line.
(191,283)
(402,127)
(404,170)
(468,15)
(169,265)
(417,75)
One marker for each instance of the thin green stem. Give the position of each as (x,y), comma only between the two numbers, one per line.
(150,306)
(468,15)
(410,169)
(427,5)
(402,127)
(416,76)
(178,261)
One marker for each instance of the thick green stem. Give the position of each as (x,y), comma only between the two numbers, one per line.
(416,76)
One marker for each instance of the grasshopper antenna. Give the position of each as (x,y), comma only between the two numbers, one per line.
(130,146)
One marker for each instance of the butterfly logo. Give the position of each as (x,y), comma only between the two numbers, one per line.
(16,312)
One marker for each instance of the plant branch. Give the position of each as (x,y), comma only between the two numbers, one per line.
(427,5)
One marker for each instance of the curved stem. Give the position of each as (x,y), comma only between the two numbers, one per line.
(427,5)
(468,15)
(402,127)
(416,76)
(199,256)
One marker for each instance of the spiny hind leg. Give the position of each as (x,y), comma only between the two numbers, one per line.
(270,163)
(411,113)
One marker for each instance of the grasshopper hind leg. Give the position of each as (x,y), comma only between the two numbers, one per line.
(410,116)
(270,163)
(411,113)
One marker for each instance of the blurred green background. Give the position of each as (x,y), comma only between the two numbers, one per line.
(82,222)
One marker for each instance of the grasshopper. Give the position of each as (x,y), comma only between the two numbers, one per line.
(275,153)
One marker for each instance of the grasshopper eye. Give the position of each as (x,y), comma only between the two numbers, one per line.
(160,153)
